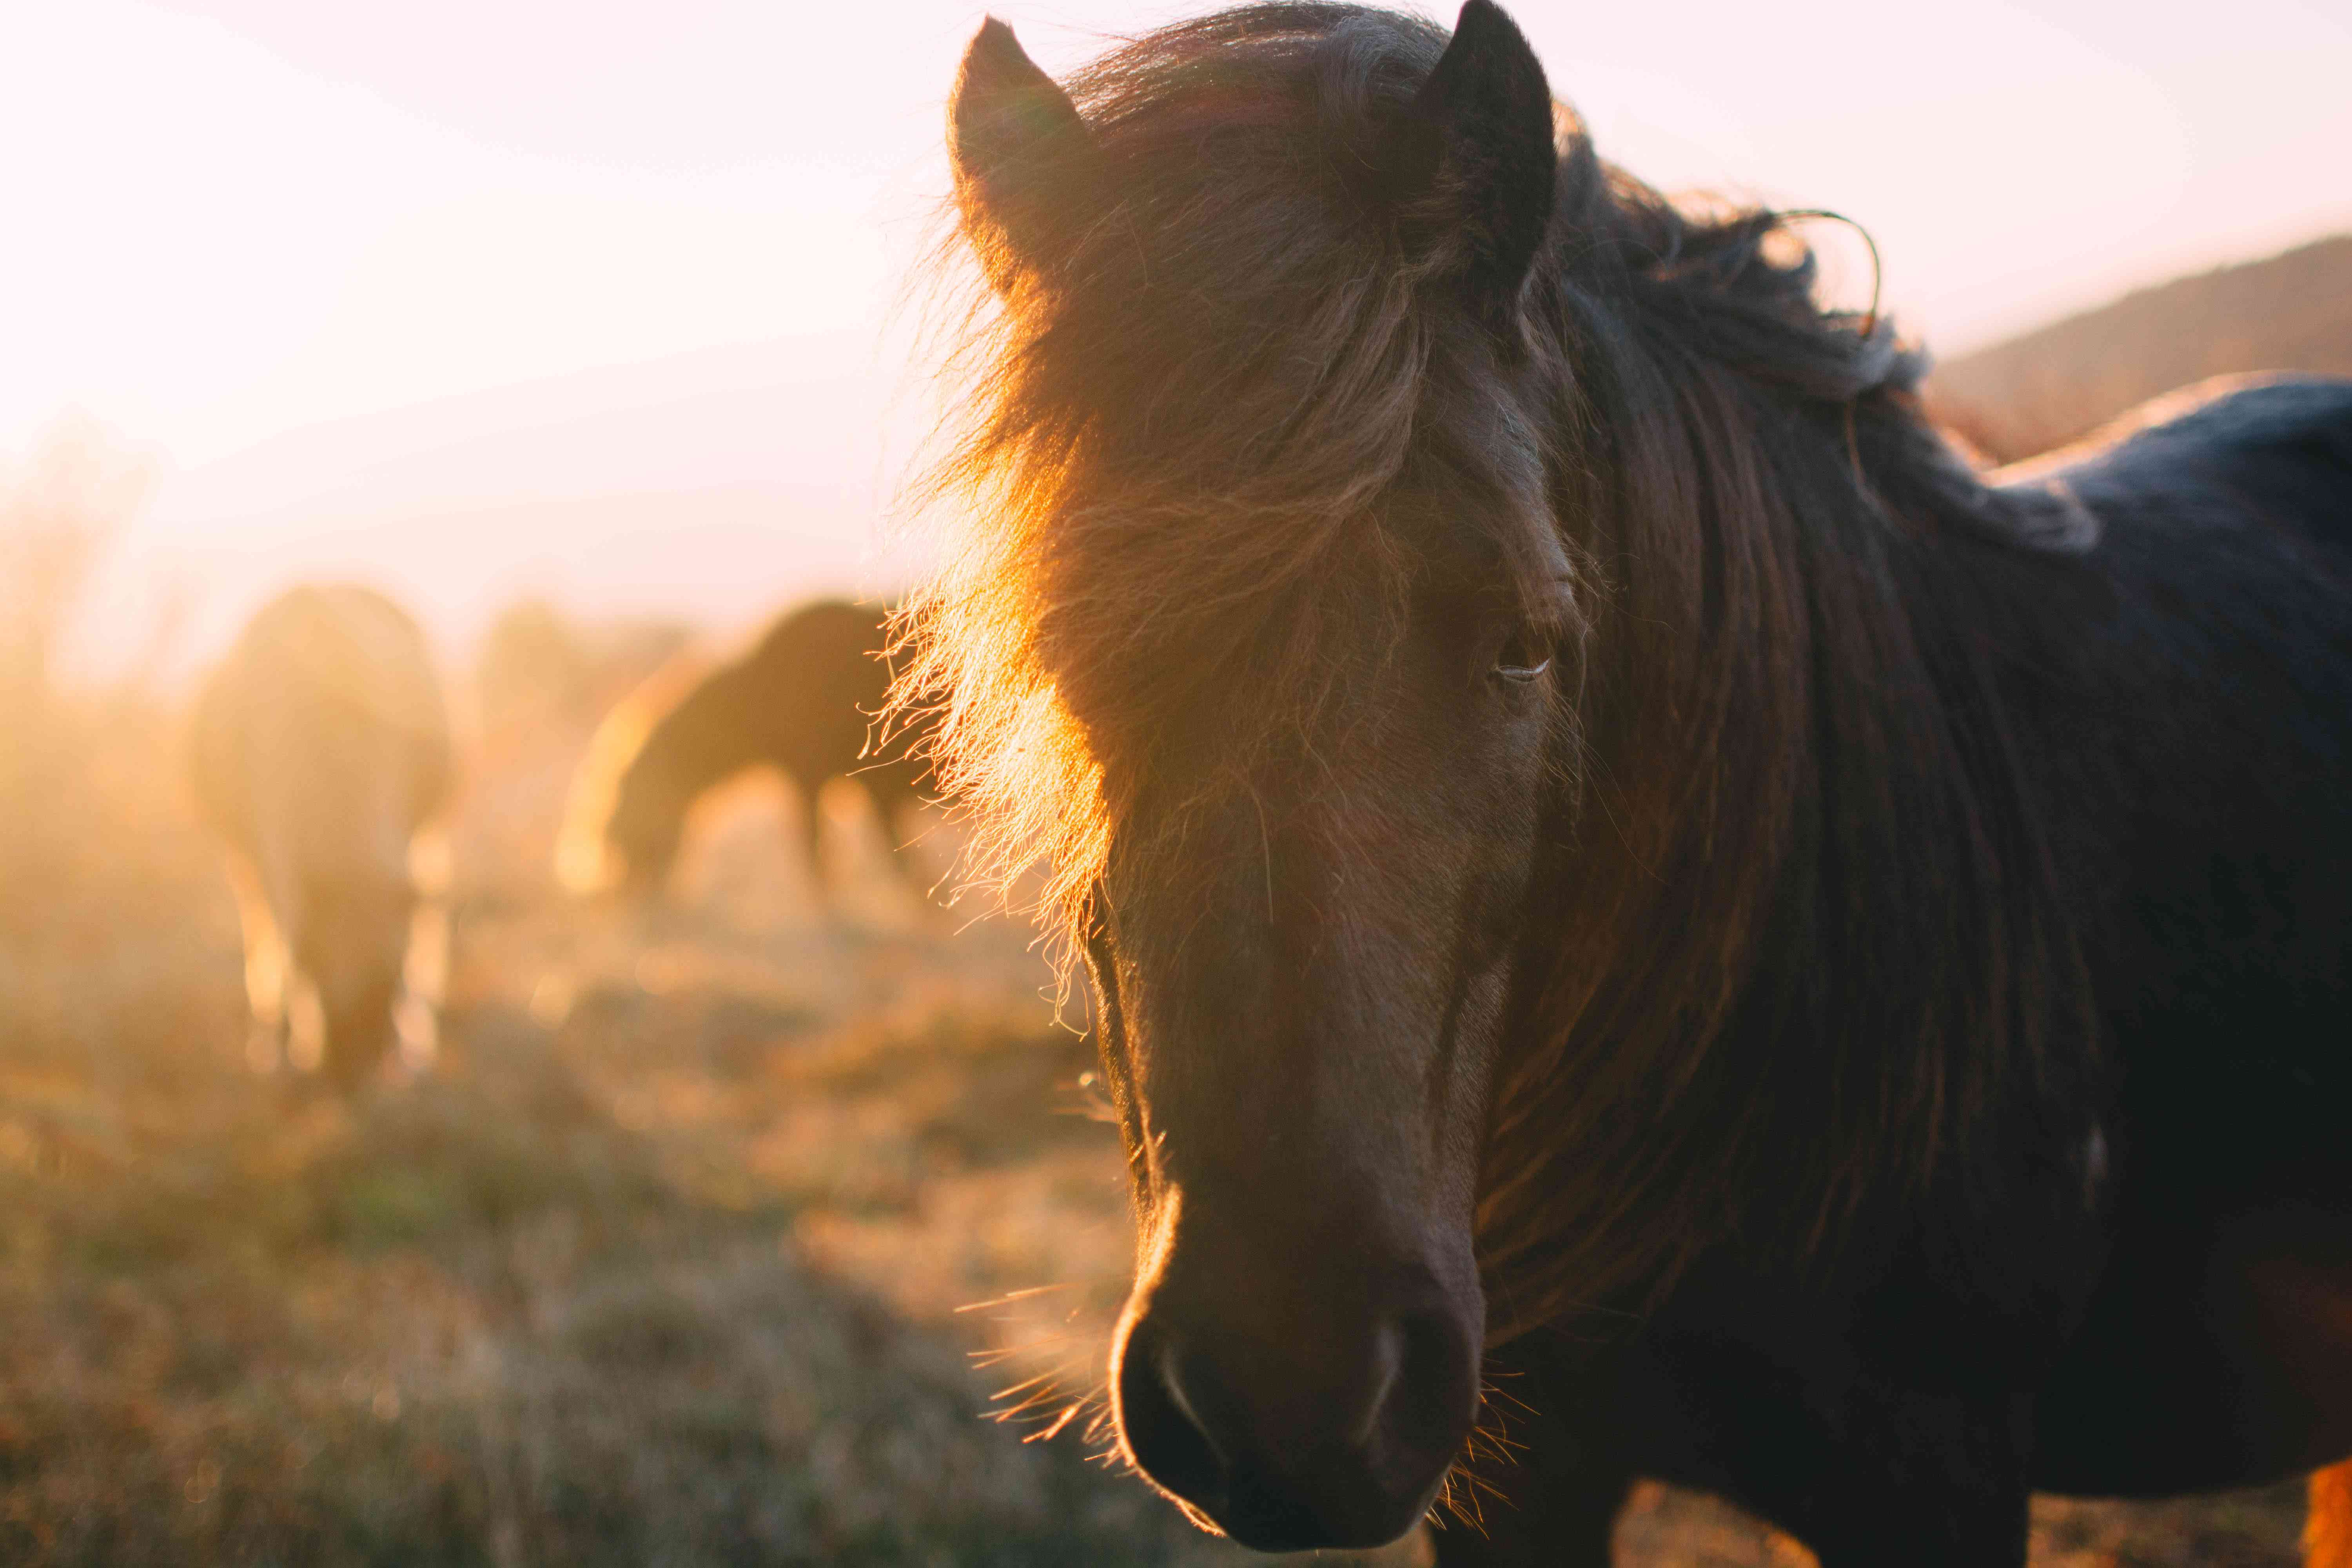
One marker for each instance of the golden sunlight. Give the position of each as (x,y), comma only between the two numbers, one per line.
(552,665)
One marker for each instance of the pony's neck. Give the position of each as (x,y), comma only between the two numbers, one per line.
(709,735)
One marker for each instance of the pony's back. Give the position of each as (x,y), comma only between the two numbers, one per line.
(321,745)
(2278,445)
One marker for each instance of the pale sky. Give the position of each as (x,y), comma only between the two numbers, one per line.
(229,219)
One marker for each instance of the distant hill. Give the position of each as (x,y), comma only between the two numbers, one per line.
(2292,312)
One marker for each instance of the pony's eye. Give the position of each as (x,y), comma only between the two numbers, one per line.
(1524,656)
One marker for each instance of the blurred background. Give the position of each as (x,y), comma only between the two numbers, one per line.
(724,1217)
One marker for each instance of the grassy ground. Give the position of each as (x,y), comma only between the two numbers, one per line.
(662,1263)
(659,1264)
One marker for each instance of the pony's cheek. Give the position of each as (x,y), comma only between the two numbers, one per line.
(1470,1071)
(1500,879)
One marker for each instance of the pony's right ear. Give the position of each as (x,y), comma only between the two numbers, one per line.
(1473,157)
(1024,160)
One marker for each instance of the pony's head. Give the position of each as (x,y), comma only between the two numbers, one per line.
(648,819)
(625,811)
(353,946)
(1265,632)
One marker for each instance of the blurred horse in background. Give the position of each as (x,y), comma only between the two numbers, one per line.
(321,752)
(803,700)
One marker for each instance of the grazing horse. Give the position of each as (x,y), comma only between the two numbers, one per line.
(321,749)
(802,700)
(1614,866)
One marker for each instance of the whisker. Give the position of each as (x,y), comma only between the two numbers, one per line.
(1024,1385)
(1054,1428)
(1029,1294)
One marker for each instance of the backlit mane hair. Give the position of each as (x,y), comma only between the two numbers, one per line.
(1175,430)
(1121,434)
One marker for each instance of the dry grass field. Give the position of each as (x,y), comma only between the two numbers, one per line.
(666,1260)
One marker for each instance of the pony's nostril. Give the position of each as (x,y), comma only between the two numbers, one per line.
(1164,1434)
(1431,1397)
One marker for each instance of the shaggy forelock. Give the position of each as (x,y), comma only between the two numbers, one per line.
(1207,384)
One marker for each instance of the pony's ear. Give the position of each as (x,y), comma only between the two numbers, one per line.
(1475,153)
(1023,158)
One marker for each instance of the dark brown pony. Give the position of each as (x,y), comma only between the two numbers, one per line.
(802,700)
(1607,855)
(321,751)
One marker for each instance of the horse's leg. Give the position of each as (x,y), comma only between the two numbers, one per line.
(267,962)
(891,809)
(424,982)
(1861,1467)
(1931,1481)
(812,838)
(2218,1352)
(306,1022)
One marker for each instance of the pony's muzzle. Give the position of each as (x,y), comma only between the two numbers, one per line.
(1293,1432)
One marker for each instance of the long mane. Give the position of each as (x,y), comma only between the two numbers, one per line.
(1783,765)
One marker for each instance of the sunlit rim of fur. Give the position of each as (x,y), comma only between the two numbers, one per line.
(1062,1397)
(1061,528)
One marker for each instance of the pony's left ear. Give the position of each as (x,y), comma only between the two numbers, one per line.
(1477,144)
(1024,160)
